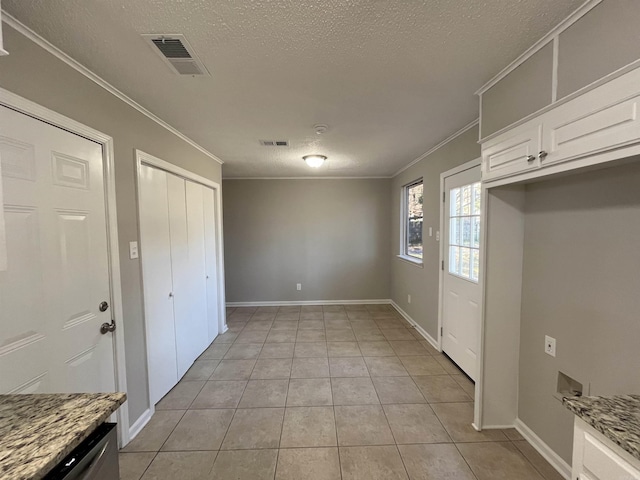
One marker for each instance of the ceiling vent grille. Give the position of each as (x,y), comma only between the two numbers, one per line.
(274,143)
(177,53)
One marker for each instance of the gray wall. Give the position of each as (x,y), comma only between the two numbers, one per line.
(422,282)
(602,41)
(31,72)
(580,285)
(524,91)
(329,235)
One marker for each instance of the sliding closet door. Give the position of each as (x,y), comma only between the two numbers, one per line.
(156,271)
(199,335)
(180,272)
(208,202)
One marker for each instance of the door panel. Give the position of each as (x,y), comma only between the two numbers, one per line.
(208,199)
(155,253)
(511,153)
(57,270)
(184,322)
(199,334)
(461,291)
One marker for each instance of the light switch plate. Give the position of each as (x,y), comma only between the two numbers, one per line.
(133,250)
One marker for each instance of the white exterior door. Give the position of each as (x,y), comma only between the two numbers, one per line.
(56,272)
(461,291)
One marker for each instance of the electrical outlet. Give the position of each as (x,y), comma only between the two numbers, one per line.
(438,236)
(298,286)
(408,298)
(550,345)
(133,250)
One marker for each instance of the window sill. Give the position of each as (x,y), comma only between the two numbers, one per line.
(412,260)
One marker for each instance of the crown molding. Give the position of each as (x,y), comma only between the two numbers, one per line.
(306,178)
(59,54)
(554,33)
(438,146)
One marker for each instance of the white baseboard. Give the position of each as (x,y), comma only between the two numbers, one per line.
(380,301)
(415,325)
(543,449)
(492,427)
(140,423)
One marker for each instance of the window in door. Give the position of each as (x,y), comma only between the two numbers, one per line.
(464,231)
(412,220)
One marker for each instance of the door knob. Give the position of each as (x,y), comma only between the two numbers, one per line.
(103,306)
(107,327)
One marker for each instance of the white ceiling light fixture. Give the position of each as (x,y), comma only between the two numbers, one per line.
(314,161)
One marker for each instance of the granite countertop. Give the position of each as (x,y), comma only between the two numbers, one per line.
(616,417)
(37,431)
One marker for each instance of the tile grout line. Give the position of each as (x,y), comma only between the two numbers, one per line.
(284,414)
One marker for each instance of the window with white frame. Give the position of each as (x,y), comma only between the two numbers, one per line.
(412,220)
(464,231)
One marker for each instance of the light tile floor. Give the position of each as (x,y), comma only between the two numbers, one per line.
(324,393)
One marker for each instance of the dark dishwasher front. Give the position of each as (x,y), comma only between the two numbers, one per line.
(96,458)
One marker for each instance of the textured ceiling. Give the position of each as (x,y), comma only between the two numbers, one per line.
(390,78)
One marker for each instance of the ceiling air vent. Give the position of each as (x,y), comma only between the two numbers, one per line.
(176,52)
(274,143)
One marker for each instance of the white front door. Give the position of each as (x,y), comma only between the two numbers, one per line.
(461,291)
(57,271)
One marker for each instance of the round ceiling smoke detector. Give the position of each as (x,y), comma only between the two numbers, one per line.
(321,128)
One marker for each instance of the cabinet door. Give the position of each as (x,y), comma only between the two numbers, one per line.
(594,460)
(155,242)
(581,128)
(197,271)
(208,201)
(180,272)
(512,153)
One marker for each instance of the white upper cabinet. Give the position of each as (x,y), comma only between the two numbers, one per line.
(515,152)
(598,126)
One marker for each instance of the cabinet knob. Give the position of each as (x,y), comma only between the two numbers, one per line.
(542,155)
(530,158)
(170,294)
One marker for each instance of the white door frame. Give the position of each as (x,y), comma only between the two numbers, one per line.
(143,158)
(443,247)
(22,105)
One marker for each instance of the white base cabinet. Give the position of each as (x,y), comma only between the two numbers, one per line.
(597,458)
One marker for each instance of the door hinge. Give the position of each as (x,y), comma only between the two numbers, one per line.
(443,265)
(444,196)
(441,330)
